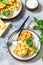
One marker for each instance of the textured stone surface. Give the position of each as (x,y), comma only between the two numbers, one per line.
(5,58)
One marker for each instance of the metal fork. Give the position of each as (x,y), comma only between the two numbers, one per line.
(18,32)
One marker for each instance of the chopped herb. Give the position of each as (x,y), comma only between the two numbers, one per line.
(41,39)
(29,42)
(6,13)
(42,57)
(36,50)
(4,1)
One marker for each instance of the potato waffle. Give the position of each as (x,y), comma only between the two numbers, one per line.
(23,49)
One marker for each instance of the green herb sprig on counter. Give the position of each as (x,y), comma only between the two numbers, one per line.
(39,27)
(39,22)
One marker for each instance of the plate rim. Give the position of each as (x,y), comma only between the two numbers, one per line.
(16,15)
(22,59)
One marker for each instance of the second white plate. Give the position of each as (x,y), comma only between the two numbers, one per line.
(15,13)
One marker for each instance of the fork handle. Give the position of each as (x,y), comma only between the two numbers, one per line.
(22,26)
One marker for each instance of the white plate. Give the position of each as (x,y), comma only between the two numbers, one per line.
(35,40)
(15,13)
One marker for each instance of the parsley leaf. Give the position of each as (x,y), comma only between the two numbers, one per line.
(29,42)
(36,50)
(41,39)
(39,27)
(6,13)
(39,22)
(42,57)
(4,1)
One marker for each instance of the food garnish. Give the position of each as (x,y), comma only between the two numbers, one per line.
(4,1)
(36,50)
(6,13)
(42,57)
(29,42)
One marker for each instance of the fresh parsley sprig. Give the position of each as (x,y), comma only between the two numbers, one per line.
(39,22)
(39,27)
(36,50)
(6,13)
(29,42)
(4,1)
(42,57)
